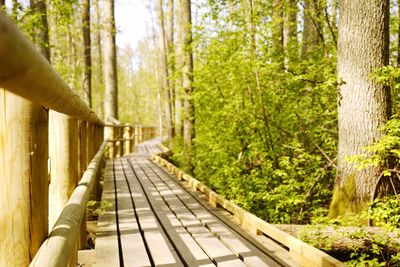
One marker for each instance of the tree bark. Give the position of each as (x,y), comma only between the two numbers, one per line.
(41,32)
(290,33)
(98,57)
(277,26)
(110,62)
(166,75)
(171,59)
(310,28)
(87,78)
(187,77)
(363,104)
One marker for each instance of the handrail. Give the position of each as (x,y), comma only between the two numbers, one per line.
(55,250)
(25,72)
(303,253)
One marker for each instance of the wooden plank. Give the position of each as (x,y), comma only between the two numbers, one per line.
(213,247)
(160,248)
(239,246)
(133,248)
(107,253)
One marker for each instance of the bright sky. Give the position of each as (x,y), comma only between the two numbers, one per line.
(132,18)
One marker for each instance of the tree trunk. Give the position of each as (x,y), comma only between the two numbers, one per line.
(187,77)
(41,33)
(398,33)
(178,80)
(290,38)
(98,58)
(87,79)
(110,62)
(171,60)
(2,3)
(277,29)
(363,104)
(166,74)
(310,28)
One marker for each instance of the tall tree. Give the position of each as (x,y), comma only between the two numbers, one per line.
(277,28)
(290,37)
(98,57)
(166,83)
(363,104)
(110,62)
(310,27)
(187,77)
(41,31)
(87,77)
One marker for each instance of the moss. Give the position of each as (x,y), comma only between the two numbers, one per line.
(344,201)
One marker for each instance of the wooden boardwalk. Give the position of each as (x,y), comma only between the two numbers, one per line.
(156,221)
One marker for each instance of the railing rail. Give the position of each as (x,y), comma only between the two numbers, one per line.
(65,139)
(25,72)
(123,138)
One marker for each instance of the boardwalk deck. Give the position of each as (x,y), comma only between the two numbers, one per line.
(157,221)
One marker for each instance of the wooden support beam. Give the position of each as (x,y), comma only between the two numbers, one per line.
(24,178)
(83,163)
(64,169)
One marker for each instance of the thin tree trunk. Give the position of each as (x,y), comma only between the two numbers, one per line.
(187,71)
(98,56)
(41,34)
(310,34)
(87,80)
(363,104)
(178,80)
(165,70)
(171,59)
(398,33)
(290,38)
(277,32)
(110,61)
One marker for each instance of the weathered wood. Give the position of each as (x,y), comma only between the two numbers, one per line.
(133,247)
(127,142)
(23,176)
(106,237)
(25,72)
(55,250)
(83,163)
(64,171)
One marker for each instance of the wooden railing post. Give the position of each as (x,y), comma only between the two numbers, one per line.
(136,131)
(64,169)
(83,151)
(24,179)
(141,139)
(127,136)
(121,142)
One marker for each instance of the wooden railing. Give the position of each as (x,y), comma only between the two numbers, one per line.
(48,136)
(301,252)
(123,138)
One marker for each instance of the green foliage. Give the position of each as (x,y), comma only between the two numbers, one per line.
(98,207)
(265,133)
